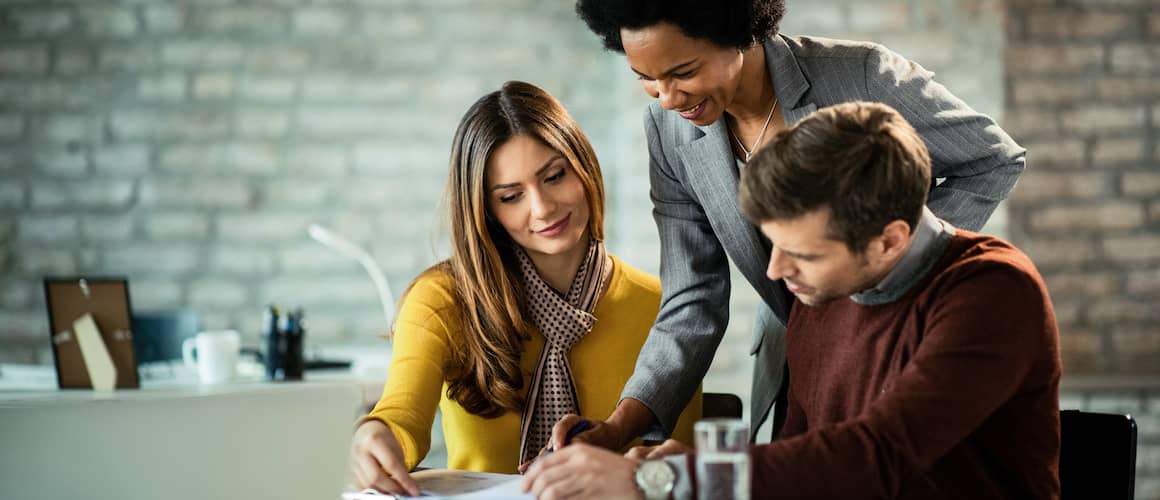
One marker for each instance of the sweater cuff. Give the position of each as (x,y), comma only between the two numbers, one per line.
(367,418)
(410,451)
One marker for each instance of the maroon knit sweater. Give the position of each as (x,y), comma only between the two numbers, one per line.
(952,391)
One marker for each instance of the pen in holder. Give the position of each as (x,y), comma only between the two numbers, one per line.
(283,340)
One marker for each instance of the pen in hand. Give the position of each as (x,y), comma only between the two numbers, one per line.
(573,432)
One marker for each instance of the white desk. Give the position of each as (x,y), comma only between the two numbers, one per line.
(245,441)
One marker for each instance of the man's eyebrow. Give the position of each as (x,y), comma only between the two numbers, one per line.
(667,72)
(798,255)
(539,172)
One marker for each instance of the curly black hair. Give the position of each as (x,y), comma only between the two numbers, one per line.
(727,23)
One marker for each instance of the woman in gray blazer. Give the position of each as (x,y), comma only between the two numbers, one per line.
(725,81)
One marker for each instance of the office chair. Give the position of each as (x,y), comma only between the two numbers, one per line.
(720,405)
(1097,455)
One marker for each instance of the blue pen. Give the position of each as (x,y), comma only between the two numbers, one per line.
(573,432)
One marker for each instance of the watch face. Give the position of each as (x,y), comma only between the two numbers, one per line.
(655,476)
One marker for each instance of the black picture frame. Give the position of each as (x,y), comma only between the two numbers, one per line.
(107,300)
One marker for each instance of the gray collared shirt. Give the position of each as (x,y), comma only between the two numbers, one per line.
(930,240)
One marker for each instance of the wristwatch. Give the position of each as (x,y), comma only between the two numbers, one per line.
(655,478)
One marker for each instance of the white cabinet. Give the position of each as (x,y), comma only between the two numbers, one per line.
(252,440)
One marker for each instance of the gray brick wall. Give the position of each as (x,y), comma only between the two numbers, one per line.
(188,144)
(1083,87)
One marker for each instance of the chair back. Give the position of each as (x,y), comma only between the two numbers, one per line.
(1097,455)
(720,405)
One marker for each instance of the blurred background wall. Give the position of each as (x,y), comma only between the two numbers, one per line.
(1082,85)
(187,145)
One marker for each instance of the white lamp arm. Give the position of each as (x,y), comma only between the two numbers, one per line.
(351,250)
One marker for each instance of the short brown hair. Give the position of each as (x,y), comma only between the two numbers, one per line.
(862,160)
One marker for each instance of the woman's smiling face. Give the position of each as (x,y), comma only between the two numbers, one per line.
(535,195)
(692,76)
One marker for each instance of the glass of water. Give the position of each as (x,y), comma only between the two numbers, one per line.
(722,459)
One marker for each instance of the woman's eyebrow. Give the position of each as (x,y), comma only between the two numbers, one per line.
(667,72)
(539,172)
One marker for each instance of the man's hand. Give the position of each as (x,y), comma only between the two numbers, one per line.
(669,447)
(582,471)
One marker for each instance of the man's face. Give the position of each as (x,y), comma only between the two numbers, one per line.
(816,268)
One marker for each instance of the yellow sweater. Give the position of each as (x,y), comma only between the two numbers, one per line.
(601,364)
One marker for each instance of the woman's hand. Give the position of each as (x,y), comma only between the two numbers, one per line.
(599,433)
(669,447)
(377,460)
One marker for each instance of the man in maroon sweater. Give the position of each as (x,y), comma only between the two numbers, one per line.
(924,359)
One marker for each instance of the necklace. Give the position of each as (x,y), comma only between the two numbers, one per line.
(749,152)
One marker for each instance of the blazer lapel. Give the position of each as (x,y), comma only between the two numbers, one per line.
(795,115)
(713,176)
(789,81)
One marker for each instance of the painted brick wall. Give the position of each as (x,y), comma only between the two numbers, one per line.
(1084,97)
(188,144)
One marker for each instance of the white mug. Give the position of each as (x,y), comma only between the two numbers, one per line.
(216,357)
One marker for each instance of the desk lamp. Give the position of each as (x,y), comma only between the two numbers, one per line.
(349,249)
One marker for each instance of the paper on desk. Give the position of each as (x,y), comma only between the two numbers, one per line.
(455,484)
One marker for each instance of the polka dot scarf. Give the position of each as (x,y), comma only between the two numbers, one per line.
(563,320)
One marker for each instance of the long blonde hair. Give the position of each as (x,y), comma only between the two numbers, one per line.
(484,370)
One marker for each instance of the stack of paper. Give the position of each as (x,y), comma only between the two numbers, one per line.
(455,484)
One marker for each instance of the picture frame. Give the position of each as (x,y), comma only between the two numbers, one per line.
(106,301)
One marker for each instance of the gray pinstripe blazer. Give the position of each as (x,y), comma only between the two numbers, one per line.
(694,178)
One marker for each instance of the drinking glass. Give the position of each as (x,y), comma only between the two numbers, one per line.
(722,459)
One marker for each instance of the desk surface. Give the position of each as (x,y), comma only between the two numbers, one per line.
(23,385)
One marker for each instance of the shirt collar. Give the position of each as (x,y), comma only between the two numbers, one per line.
(930,240)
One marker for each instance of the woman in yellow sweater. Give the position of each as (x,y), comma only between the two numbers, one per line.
(528,264)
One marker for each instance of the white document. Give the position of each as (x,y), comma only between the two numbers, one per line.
(455,484)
